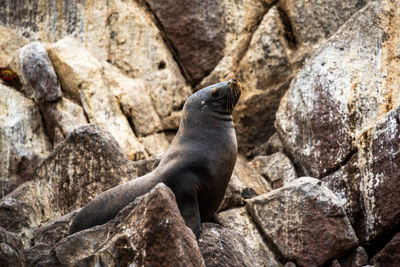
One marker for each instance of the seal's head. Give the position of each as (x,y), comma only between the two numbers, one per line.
(219,98)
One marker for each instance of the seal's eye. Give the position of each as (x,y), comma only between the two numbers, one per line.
(215,93)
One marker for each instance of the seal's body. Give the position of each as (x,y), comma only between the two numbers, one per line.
(197,166)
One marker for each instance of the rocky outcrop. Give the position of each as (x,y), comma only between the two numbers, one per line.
(11,249)
(23,142)
(146,233)
(304,222)
(86,163)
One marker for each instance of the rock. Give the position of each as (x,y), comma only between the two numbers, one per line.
(241,20)
(155,144)
(265,63)
(222,247)
(148,232)
(41,256)
(50,232)
(389,255)
(324,111)
(245,183)
(358,258)
(11,249)
(10,42)
(304,221)
(85,164)
(145,166)
(122,33)
(274,144)
(133,95)
(254,118)
(240,222)
(335,263)
(88,85)
(290,264)
(276,168)
(23,142)
(196,31)
(309,22)
(38,73)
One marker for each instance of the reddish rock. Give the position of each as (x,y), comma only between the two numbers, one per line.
(304,221)
(148,232)
(195,30)
(222,247)
(390,255)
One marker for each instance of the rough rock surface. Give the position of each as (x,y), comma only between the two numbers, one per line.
(11,249)
(245,183)
(276,168)
(145,233)
(349,83)
(239,221)
(224,247)
(23,142)
(304,221)
(10,42)
(86,163)
(389,255)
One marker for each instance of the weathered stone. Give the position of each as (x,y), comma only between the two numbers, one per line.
(86,163)
(358,258)
(148,232)
(245,183)
(304,221)
(155,144)
(335,263)
(41,256)
(345,183)
(10,42)
(239,221)
(349,84)
(274,144)
(11,249)
(265,63)
(276,168)
(23,142)
(389,255)
(254,118)
(134,98)
(38,72)
(309,21)
(196,30)
(49,233)
(87,84)
(242,19)
(145,166)
(223,247)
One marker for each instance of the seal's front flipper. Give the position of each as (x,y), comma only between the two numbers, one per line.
(189,208)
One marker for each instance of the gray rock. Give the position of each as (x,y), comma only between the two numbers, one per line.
(11,249)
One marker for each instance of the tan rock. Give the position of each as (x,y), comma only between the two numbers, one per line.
(85,79)
(245,183)
(155,144)
(238,220)
(23,142)
(276,168)
(10,42)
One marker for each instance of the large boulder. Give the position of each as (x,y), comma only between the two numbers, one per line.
(10,42)
(11,249)
(389,255)
(348,84)
(304,222)
(86,163)
(23,141)
(148,232)
(223,247)
(239,221)
(122,33)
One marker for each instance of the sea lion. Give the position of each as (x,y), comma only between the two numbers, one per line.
(197,165)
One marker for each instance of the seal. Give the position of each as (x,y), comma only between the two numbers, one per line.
(196,167)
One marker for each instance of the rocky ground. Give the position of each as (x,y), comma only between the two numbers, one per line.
(103,82)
